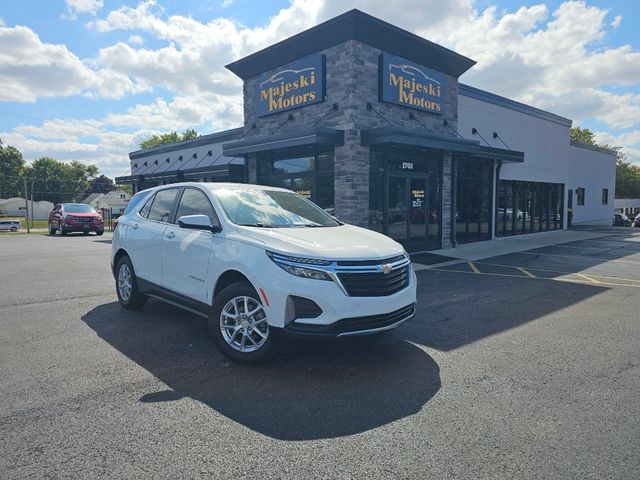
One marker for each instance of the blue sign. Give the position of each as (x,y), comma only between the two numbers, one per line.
(296,85)
(405,83)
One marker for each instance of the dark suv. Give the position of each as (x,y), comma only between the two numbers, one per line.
(75,217)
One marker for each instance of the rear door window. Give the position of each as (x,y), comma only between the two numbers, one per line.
(162,205)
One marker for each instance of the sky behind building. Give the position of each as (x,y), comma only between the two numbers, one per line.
(89,79)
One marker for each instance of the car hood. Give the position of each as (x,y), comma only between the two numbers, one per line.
(344,242)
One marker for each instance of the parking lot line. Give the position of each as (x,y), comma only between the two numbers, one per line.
(526,272)
(585,280)
(587,277)
(473,267)
(574,257)
(536,269)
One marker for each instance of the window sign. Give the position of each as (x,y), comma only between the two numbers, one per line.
(410,85)
(295,85)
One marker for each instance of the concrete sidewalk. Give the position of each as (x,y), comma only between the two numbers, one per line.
(520,243)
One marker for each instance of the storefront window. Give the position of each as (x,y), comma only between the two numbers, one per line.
(473,200)
(309,176)
(527,207)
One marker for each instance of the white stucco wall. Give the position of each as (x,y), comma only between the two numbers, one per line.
(592,170)
(15,207)
(549,155)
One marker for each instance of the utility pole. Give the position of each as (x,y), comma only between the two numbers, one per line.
(26,204)
(33,179)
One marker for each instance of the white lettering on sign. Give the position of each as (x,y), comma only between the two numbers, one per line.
(406,166)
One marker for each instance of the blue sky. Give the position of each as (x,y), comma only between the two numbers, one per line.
(88,79)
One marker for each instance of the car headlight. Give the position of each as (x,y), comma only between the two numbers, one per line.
(293,266)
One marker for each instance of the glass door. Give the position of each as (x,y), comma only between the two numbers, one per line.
(397,209)
(407,211)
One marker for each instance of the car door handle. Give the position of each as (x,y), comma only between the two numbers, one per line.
(170,235)
(134,226)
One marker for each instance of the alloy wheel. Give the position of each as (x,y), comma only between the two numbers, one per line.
(243,323)
(124,282)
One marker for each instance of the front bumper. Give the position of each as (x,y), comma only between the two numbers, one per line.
(342,315)
(355,326)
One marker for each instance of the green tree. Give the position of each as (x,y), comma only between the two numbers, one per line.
(158,139)
(582,135)
(58,182)
(627,179)
(101,184)
(12,169)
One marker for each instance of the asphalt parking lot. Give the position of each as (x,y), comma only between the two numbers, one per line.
(521,366)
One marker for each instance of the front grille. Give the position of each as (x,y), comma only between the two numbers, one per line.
(363,263)
(375,284)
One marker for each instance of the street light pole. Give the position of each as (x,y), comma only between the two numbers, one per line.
(26,204)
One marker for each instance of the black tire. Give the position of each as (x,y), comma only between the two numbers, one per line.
(99,232)
(134,299)
(14,229)
(266,348)
(85,232)
(52,231)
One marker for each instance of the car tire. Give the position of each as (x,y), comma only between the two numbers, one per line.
(63,232)
(99,232)
(85,232)
(14,229)
(240,337)
(52,231)
(127,285)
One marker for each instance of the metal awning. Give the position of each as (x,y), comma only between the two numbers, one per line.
(230,172)
(317,136)
(424,139)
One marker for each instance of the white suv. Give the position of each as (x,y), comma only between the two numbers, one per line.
(257,261)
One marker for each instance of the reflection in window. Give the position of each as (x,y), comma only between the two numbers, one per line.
(309,176)
(473,200)
(580,196)
(527,207)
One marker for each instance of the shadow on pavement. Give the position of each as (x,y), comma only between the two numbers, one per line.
(455,309)
(308,391)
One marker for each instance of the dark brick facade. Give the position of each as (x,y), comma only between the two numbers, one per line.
(351,83)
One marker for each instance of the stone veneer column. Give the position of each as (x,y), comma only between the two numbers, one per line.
(351,180)
(447,204)
(253,169)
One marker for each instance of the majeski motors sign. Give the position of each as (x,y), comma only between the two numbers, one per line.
(295,85)
(405,83)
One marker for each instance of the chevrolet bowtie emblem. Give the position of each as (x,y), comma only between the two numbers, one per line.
(386,269)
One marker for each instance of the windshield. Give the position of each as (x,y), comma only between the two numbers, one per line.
(272,209)
(78,208)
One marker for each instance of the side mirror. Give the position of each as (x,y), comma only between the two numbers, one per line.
(198,222)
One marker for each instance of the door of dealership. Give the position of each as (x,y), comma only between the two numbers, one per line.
(404,198)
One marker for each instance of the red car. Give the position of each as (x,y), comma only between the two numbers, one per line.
(75,217)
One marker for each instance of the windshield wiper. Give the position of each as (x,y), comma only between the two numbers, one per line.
(260,225)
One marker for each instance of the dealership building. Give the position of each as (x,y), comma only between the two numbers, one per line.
(370,122)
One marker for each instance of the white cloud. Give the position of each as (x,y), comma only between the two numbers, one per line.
(79,7)
(2,24)
(227,3)
(30,68)
(136,40)
(616,21)
(630,141)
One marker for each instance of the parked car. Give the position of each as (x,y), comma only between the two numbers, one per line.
(9,225)
(75,217)
(508,214)
(636,221)
(259,261)
(621,220)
